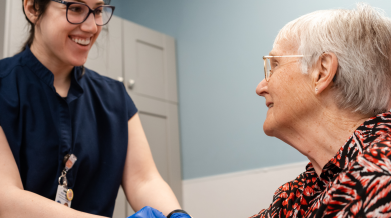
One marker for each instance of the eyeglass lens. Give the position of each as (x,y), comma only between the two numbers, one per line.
(267,69)
(77,13)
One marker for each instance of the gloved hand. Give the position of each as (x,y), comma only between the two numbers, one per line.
(148,212)
(180,215)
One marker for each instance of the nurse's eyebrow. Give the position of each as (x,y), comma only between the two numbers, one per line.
(97,4)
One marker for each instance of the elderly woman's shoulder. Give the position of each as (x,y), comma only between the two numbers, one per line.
(375,161)
(377,153)
(369,175)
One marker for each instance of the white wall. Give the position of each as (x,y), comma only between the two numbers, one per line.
(235,195)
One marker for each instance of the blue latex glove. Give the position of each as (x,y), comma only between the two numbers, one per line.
(180,215)
(148,212)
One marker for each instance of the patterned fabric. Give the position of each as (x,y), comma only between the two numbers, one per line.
(355,183)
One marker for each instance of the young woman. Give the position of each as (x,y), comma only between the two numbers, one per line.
(68,136)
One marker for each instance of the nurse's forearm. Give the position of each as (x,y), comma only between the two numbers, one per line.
(154,193)
(15,202)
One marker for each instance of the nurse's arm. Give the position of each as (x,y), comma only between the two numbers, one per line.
(16,202)
(141,180)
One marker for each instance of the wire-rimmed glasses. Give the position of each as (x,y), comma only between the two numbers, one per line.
(78,12)
(268,67)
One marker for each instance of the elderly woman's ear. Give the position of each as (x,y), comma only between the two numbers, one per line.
(324,71)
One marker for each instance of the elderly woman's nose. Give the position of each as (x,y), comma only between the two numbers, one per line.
(261,88)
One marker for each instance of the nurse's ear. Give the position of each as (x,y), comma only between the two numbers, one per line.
(30,10)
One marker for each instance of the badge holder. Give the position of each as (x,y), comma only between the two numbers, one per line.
(64,195)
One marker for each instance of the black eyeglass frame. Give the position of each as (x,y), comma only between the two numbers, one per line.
(90,11)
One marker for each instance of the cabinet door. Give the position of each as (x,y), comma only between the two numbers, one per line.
(148,65)
(105,56)
(160,123)
(149,61)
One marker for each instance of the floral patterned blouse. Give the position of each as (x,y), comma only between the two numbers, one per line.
(355,183)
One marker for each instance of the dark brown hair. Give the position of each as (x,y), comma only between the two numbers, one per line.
(40,7)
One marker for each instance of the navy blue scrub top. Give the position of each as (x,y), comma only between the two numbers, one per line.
(42,127)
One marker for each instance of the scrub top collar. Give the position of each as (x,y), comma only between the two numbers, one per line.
(46,76)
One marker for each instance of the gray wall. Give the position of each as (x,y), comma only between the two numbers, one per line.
(220,44)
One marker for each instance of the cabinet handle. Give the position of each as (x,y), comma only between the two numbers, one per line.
(121,79)
(131,83)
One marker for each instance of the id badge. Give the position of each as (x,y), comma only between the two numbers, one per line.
(64,196)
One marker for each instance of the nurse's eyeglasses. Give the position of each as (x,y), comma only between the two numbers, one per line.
(77,12)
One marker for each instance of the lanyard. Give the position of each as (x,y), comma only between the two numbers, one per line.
(64,195)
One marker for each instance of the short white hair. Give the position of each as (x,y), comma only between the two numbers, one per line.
(360,38)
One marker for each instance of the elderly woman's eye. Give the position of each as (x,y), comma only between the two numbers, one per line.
(273,65)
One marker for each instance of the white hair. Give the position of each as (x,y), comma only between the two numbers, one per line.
(360,39)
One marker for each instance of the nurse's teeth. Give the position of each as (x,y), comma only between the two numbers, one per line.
(82,41)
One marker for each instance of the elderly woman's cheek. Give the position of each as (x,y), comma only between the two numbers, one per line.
(296,103)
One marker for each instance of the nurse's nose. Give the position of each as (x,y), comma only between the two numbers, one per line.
(89,25)
(261,89)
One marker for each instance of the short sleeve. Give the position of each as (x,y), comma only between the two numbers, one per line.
(130,106)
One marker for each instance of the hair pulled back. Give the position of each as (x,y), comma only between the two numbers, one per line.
(40,7)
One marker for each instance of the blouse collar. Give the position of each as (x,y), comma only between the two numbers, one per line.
(363,137)
(46,76)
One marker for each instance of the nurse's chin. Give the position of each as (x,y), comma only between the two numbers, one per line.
(78,61)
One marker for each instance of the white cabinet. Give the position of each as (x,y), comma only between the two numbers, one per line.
(150,77)
(145,61)
(150,62)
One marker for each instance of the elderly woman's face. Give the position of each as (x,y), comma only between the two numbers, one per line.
(288,92)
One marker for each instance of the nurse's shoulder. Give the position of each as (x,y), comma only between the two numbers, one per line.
(10,64)
(111,93)
(101,82)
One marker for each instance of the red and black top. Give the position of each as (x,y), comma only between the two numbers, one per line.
(355,183)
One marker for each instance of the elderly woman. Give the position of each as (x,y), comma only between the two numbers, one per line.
(327,86)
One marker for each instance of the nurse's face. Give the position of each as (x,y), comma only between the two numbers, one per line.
(62,42)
